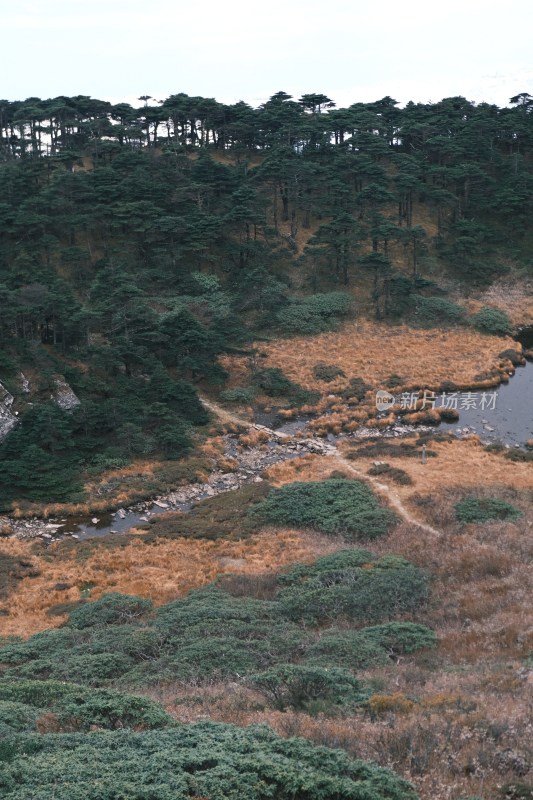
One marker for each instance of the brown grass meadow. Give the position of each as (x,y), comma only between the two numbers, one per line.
(374,352)
(162,570)
(456,721)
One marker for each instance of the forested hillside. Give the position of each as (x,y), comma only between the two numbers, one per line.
(137,244)
(171,275)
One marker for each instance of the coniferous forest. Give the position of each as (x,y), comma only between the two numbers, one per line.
(138,244)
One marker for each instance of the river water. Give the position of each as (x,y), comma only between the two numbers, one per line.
(503,414)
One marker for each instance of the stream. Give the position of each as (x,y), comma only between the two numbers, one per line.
(503,414)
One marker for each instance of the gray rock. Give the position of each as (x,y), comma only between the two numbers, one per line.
(8,419)
(64,395)
(25,384)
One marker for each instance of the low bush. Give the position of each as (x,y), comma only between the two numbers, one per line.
(211,634)
(517,791)
(518,455)
(203,760)
(433,311)
(221,517)
(353,585)
(327,372)
(344,507)
(274,383)
(346,648)
(111,609)
(367,647)
(309,688)
(314,314)
(476,509)
(240,395)
(493,321)
(356,390)
(393,473)
(383,449)
(401,638)
(22,703)
(16,716)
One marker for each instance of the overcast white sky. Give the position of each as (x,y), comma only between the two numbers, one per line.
(236,50)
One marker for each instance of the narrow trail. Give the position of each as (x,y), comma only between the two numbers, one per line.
(388,494)
(227,416)
(329,450)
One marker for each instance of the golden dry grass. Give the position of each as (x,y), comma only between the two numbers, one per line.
(160,571)
(459,462)
(374,352)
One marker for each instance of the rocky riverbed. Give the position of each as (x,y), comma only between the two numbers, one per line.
(252,461)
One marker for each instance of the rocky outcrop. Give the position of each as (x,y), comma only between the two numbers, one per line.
(64,396)
(8,419)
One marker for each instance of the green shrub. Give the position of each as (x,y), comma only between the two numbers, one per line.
(344,507)
(240,395)
(23,702)
(492,320)
(36,694)
(401,638)
(274,383)
(356,390)
(393,473)
(476,509)
(92,669)
(432,311)
(213,634)
(368,647)
(220,517)
(518,455)
(110,609)
(204,760)
(314,314)
(305,687)
(368,591)
(327,372)
(110,710)
(16,716)
(330,304)
(346,648)
(517,791)
(210,605)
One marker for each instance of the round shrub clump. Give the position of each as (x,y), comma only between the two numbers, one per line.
(344,507)
(474,509)
(492,320)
